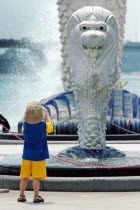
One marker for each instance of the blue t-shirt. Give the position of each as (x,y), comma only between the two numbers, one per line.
(35,144)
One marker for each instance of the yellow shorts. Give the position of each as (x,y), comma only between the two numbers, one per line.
(36,169)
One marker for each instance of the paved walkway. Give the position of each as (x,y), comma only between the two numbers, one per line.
(73,201)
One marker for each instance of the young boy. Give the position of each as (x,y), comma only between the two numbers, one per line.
(35,149)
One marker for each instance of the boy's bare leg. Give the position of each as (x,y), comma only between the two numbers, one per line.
(36,186)
(23,185)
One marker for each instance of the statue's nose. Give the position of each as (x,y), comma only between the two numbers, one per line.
(93,35)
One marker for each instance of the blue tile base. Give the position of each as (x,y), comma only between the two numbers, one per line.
(78,152)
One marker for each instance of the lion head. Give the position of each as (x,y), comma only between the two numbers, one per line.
(93,44)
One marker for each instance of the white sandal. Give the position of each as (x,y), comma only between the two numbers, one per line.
(38,199)
(21,198)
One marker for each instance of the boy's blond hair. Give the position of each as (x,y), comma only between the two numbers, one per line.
(34,113)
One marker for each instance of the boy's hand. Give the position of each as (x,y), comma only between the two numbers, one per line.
(46,114)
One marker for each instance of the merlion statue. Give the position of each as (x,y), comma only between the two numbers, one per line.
(66,8)
(92,57)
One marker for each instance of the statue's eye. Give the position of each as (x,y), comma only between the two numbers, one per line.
(101,28)
(84,28)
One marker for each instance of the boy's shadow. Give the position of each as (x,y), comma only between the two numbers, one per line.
(41,203)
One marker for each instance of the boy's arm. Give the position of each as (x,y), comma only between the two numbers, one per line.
(46,115)
(48,119)
(49,125)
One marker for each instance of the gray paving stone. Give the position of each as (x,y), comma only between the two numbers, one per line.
(1,182)
(68,184)
(13,182)
(4,190)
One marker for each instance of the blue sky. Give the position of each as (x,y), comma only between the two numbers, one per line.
(132,26)
(20,18)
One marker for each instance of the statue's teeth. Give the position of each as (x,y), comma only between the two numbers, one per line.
(92,48)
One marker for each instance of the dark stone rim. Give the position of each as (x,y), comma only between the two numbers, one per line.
(76,172)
